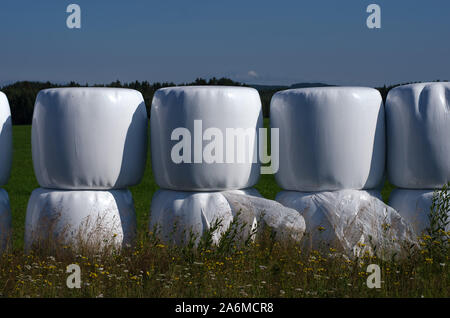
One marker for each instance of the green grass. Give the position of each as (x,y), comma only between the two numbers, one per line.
(265,268)
(22,182)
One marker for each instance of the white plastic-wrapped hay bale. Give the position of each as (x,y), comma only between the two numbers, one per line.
(330,138)
(5,221)
(415,207)
(418,135)
(89,138)
(204,138)
(5,139)
(351,221)
(179,217)
(94,219)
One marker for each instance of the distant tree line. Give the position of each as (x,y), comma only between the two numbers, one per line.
(22,95)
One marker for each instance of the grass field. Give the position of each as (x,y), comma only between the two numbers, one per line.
(22,182)
(151,269)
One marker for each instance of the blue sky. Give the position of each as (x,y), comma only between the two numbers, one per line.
(267,42)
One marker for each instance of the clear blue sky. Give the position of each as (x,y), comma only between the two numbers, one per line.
(270,42)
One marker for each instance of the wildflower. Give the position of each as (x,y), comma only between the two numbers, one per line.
(429,260)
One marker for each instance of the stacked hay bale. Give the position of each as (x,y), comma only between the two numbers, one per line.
(88,146)
(418,138)
(205,170)
(5,170)
(332,158)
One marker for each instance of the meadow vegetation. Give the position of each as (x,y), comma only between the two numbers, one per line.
(261,268)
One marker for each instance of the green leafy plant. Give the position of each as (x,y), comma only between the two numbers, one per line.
(438,241)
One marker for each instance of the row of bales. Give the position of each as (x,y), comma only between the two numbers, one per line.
(335,145)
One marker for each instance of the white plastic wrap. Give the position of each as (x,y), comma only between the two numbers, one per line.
(330,138)
(218,107)
(254,213)
(414,206)
(5,221)
(418,135)
(5,139)
(351,221)
(80,218)
(89,138)
(178,217)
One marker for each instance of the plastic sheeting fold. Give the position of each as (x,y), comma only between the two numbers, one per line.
(254,213)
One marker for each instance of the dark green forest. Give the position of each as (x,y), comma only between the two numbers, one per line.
(22,95)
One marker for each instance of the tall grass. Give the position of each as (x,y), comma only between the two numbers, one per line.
(232,268)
